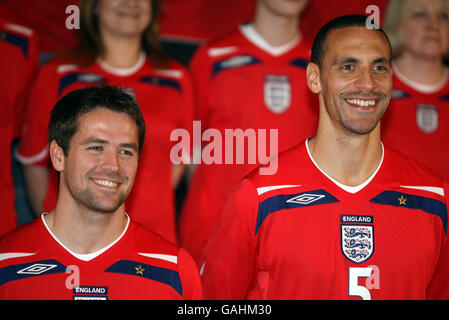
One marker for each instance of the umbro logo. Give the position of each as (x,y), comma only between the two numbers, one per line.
(37,268)
(306,198)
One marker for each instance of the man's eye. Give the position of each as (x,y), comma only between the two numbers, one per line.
(347,67)
(95,148)
(380,68)
(126,153)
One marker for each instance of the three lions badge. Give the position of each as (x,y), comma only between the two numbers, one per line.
(277,93)
(357,237)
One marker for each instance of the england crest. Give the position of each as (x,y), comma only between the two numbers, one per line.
(277,93)
(427,117)
(357,242)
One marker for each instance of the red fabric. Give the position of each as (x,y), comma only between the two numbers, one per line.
(48,18)
(202,20)
(18,65)
(122,272)
(417,124)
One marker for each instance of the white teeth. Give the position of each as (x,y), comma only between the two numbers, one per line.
(361,103)
(106,183)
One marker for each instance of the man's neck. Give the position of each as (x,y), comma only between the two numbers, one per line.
(350,160)
(85,232)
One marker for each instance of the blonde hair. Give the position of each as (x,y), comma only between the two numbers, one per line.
(392,24)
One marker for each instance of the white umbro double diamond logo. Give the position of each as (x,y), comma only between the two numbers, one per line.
(37,268)
(306,198)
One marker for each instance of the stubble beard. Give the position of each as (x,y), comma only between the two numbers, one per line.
(86,199)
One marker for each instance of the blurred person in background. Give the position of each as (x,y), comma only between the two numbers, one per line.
(118,45)
(252,78)
(417,121)
(18,64)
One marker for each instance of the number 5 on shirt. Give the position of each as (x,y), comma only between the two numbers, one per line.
(371,273)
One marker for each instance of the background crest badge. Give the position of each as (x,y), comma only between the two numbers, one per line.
(357,242)
(277,93)
(427,117)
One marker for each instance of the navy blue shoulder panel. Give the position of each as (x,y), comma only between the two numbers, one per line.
(30,269)
(410,201)
(67,80)
(234,62)
(301,63)
(399,94)
(15,40)
(445,97)
(289,201)
(160,81)
(134,268)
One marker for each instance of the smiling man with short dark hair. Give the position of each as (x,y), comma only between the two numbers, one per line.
(344,217)
(88,247)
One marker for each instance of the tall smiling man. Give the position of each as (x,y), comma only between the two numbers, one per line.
(88,247)
(344,217)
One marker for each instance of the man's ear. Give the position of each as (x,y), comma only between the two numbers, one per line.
(57,156)
(313,78)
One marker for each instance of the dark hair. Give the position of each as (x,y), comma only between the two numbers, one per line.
(90,44)
(352,20)
(65,114)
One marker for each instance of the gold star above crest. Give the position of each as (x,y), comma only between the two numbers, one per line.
(139,270)
(402,200)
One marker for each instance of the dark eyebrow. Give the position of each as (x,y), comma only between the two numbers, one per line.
(102,141)
(355,60)
(346,60)
(94,140)
(381,60)
(129,146)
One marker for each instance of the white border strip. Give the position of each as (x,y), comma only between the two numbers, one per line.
(166,257)
(263,190)
(33,159)
(437,190)
(10,255)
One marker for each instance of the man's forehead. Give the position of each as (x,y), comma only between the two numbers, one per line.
(356,35)
(103,115)
(104,121)
(357,41)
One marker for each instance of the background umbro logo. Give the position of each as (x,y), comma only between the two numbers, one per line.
(306,198)
(37,268)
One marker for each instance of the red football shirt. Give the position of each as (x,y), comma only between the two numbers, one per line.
(137,265)
(165,99)
(18,65)
(48,18)
(416,123)
(242,82)
(299,235)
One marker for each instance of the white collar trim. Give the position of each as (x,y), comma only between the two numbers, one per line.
(255,38)
(85,256)
(349,189)
(123,72)
(422,87)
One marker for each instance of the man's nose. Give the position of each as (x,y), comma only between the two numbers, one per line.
(111,161)
(366,80)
